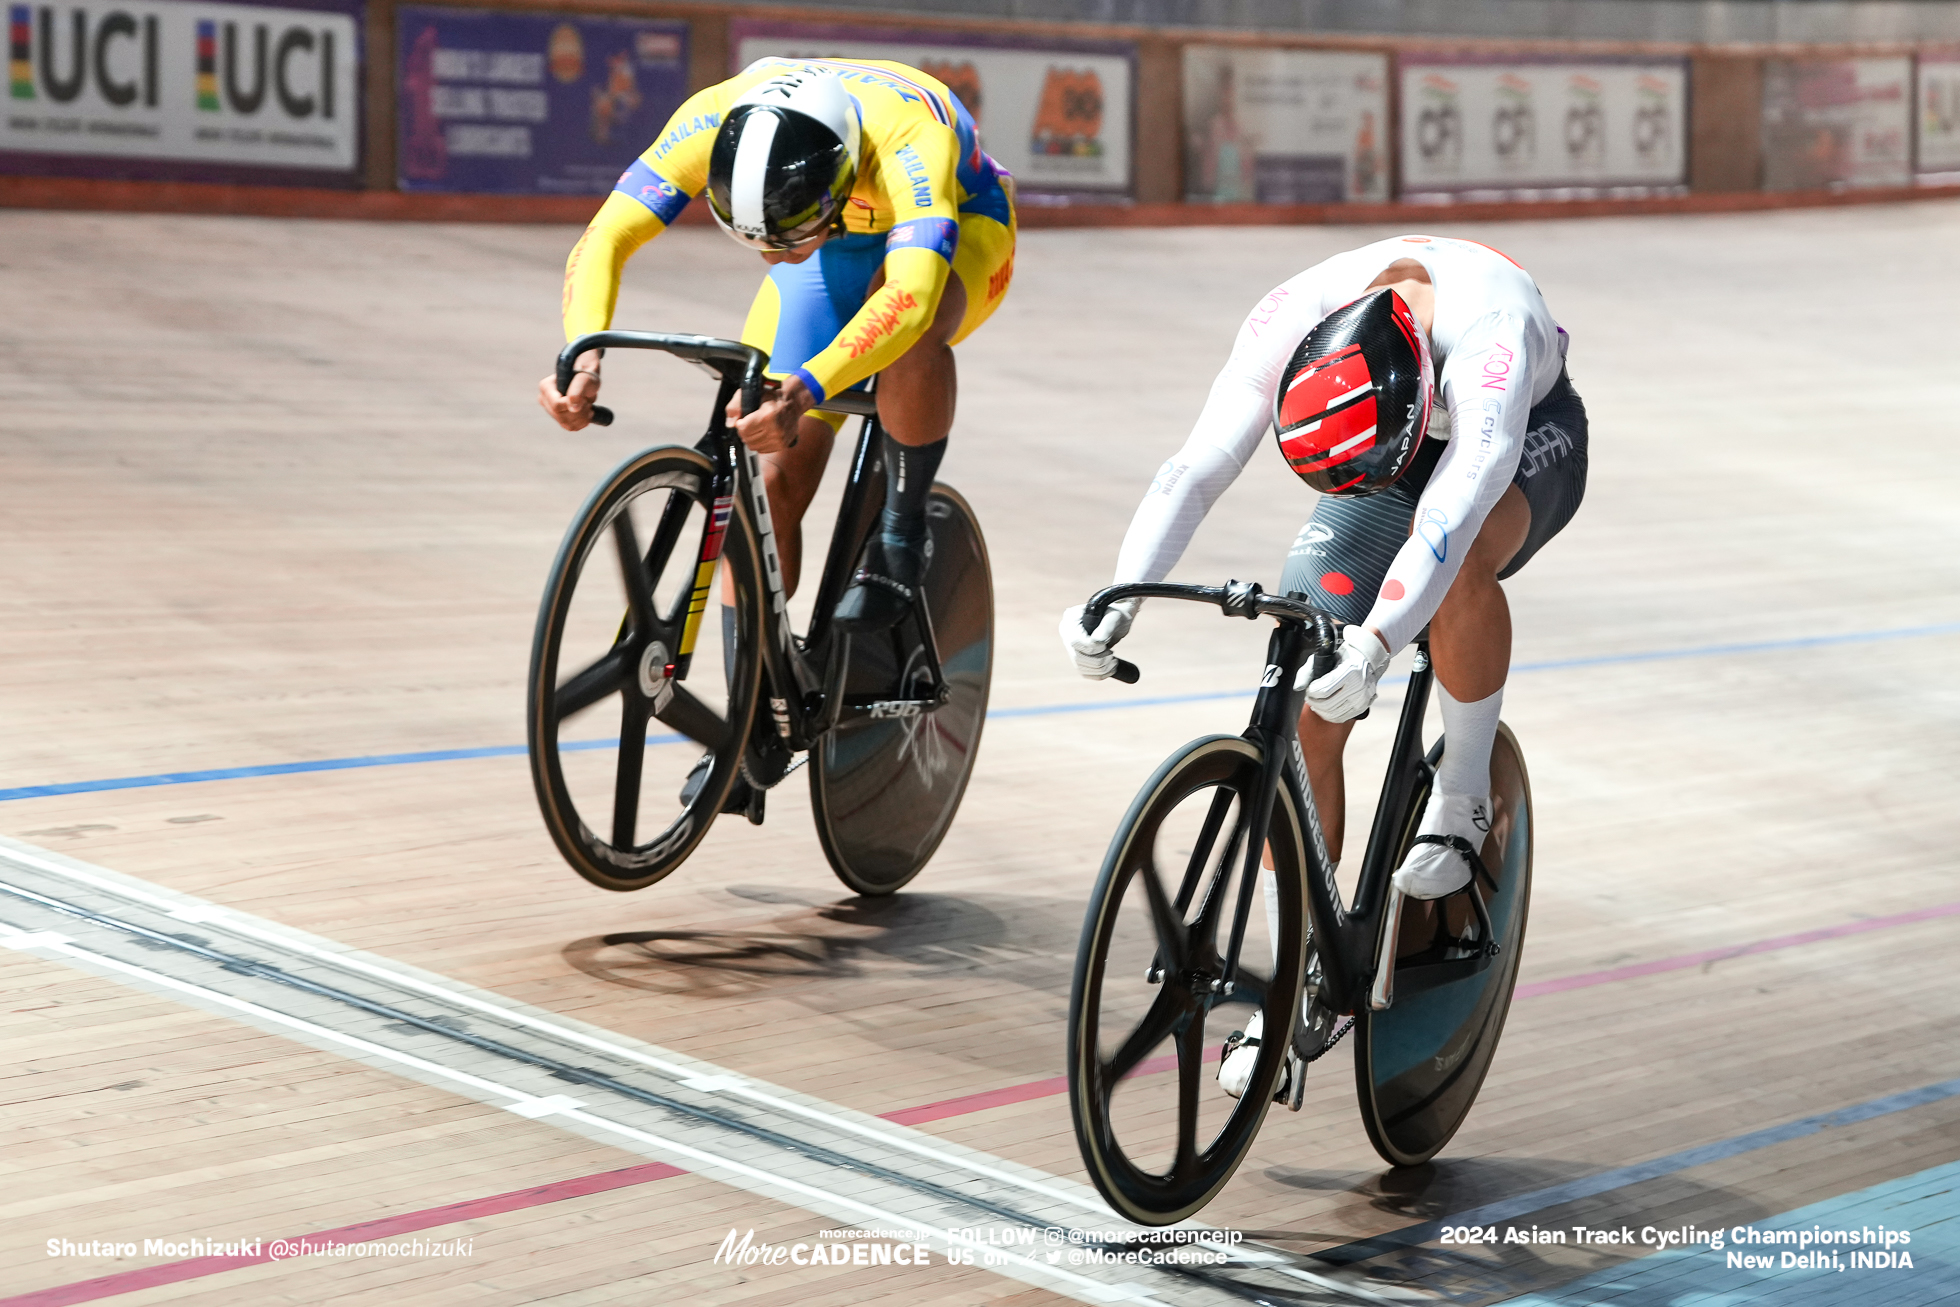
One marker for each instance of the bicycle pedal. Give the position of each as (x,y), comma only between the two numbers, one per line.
(754,812)
(1292,1089)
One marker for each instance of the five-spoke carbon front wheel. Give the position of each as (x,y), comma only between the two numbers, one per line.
(634,745)
(1149,1011)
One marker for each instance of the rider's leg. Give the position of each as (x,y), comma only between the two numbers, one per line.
(798,309)
(917,391)
(916,398)
(1470,648)
(1470,636)
(1322,744)
(791,476)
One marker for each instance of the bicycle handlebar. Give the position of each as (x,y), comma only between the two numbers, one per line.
(1234,598)
(730,360)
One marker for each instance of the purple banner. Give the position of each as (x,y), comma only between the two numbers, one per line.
(1058,114)
(530,103)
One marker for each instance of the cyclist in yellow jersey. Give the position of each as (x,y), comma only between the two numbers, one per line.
(890,236)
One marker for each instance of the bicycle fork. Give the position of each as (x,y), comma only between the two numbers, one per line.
(1406,762)
(1290,664)
(712,540)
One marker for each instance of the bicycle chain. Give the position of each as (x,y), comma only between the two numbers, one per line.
(749,776)
(1339,1035)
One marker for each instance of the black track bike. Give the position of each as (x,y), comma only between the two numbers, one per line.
(646,704)
(1175,932)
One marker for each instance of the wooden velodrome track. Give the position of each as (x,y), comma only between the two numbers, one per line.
(276,495)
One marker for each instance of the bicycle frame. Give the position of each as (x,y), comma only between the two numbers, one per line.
(1351,940)
(803,677)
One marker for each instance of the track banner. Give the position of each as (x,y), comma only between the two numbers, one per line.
(1526,128)
(510,103)
(1284,126)
(1055,114)
(1937,156)
(1836,122)
(146,88)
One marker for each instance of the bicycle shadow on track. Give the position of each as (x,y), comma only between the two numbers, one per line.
(903,937)
(1488,1272)
(1437,1188)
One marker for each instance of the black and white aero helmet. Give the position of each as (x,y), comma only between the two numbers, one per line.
(785,159)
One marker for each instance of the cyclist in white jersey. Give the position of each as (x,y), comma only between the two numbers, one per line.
(1500,469)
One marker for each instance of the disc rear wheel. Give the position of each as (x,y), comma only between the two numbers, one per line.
(1420,1062)
(885,789)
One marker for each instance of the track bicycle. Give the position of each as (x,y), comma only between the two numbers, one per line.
(889,723)
(1171,937)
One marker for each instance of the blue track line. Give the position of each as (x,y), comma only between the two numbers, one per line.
(1538,1200)
(1040,710)
(294,768)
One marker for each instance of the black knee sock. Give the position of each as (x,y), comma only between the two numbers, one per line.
(909,470)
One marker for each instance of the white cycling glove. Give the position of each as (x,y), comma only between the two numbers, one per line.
(1346,692)
(1091,649)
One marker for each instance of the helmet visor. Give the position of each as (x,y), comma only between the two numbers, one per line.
(777,179)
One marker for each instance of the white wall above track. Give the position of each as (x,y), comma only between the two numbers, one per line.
(1808,21)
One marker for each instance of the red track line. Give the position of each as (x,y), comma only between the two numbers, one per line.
(1059,1084)
(387,1227)
(518,1199)
(1686,960)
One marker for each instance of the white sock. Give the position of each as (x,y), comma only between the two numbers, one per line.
(1270,885)
(1470,729)
(1459,804)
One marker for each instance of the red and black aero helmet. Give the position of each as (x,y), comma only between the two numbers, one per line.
(1354,400)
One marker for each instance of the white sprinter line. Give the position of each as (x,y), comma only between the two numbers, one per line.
(770,1184)
(687,1072)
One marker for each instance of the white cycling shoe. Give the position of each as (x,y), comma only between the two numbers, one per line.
(1433,870)
(1235,1068)
(1242,1058)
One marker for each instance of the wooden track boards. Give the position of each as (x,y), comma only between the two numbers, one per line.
(277,492)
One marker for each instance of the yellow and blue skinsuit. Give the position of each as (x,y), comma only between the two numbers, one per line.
(928,203)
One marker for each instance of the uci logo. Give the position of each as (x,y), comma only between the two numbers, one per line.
(116,58)
(297,66)
(661,188)
(121,54)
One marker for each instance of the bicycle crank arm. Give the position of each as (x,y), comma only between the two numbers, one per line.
(1382,992)
(888,709)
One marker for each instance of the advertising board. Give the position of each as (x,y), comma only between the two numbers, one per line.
(505,102)
(1836,122)
(1937,151)
(1520,126)
(1056,115)
(158,88)
(1284,126)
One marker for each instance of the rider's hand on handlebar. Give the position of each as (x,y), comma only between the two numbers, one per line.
(772,428)
(572,409)
(1091,649)
(1346,692)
